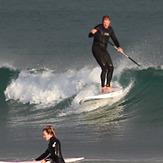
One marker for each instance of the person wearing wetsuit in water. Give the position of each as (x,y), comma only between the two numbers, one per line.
(53,152)
(101,33)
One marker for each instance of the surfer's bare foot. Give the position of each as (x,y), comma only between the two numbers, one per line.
(104,90)
(107,89)
(110,89)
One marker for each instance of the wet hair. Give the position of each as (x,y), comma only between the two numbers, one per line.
(50,130)
(105,17)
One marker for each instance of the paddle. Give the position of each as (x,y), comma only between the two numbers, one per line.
(124,54)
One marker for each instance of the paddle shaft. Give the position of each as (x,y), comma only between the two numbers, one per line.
(124,54)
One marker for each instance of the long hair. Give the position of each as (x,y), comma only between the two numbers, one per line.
(50,130)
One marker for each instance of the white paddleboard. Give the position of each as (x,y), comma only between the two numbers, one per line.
(74,159)
(67,160)
(102,96)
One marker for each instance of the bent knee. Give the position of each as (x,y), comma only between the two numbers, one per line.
(104,67)
(111,67)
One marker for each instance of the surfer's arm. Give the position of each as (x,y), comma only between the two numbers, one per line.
(43,156)
(91,34)
(115,40)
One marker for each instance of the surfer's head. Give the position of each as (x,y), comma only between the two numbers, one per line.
(48,132)
(106,21)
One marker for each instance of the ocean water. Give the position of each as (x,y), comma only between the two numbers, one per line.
(46,68)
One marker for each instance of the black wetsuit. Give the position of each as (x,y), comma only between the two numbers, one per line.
(53,153)
(99,50)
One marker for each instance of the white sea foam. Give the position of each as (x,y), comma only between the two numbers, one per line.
(75,108)
(48,88)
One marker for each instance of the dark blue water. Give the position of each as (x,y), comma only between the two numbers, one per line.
(46,68)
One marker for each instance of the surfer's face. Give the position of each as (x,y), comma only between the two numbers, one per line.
(46,135)
(106,23)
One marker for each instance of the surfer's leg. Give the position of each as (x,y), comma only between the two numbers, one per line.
(99,56)
(109,75)
(110,69)
(104,71)
(103,75)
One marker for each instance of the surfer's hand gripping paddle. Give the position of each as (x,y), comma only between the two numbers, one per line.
(124,54)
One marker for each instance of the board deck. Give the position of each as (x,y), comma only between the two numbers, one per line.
(102,96)
(67,160)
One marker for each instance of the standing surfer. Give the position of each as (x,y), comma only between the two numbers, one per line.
(101,33)
(53,153)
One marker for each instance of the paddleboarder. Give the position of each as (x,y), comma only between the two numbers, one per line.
(101,33)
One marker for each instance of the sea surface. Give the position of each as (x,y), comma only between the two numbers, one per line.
(46,68)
